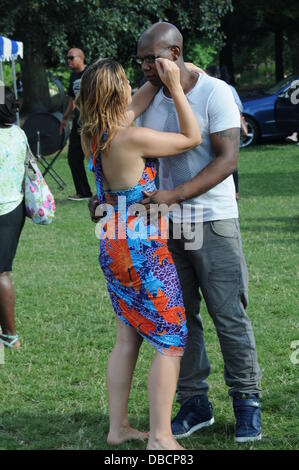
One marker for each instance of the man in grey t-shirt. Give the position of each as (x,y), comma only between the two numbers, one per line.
(201,180)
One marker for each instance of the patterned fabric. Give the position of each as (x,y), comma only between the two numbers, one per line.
(12,168)
(141,277)
(39,201)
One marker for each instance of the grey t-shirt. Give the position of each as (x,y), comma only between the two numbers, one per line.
(214,106)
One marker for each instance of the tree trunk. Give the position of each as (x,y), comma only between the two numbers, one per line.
(279,73)
(35,81)
(226,59)
(293,38)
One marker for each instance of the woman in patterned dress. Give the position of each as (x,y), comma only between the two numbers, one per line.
(139,270)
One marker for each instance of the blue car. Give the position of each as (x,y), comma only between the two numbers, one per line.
(272,114)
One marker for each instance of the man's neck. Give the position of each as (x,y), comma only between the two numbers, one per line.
(80,69)
(188,81)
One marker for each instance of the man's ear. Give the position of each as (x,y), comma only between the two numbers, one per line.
(175,52)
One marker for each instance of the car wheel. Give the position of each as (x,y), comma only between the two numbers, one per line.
(253,134)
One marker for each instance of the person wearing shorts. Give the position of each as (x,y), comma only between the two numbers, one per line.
(12,211)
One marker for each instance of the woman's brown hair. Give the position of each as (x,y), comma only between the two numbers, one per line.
(103,101)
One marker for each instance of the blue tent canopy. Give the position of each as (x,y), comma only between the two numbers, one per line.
(10,49)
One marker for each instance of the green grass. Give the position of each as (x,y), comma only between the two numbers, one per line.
(53,393)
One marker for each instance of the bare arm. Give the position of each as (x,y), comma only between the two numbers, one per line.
(140,101)
(226,148)
(157,144)
(66,114)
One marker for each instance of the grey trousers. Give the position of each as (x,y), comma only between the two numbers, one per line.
(217,270)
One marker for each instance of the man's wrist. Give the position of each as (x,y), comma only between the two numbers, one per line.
(179,193)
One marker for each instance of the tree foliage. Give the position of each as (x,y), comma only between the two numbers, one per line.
(105,27)
(252,24)
(48,28)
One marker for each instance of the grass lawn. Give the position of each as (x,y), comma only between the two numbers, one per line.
(53,392)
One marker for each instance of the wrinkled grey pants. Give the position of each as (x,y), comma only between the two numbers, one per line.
(219,270)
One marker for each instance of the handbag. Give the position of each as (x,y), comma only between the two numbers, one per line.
(39,201)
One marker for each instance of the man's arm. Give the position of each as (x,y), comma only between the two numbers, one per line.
(226,148)
(66,114)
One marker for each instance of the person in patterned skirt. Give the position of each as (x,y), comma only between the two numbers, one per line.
(141,277)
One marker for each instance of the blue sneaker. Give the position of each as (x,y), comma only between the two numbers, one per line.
(247,410)
(195,414)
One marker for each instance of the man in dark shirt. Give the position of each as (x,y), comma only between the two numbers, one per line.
(75,60)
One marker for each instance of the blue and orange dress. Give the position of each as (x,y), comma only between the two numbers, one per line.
(141,276)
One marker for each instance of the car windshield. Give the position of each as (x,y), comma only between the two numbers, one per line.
(278,86)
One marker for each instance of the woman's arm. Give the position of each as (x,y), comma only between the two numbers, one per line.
(140,101)
(157,144)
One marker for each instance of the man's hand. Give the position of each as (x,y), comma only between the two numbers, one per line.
(93,203)
(62,125)
(160,197)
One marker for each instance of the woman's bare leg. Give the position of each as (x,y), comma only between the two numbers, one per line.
(120,370)
(162,382)
(7,306)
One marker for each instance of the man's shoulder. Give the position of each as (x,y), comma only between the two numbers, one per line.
(75,75)
(154,107)
(211,85)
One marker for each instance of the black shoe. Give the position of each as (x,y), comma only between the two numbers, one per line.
(195,414)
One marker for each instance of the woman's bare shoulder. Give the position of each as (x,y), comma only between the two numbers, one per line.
(130,135)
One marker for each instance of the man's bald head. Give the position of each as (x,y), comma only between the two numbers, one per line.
(75,59)
(160,40)
(161,35)
(76,52)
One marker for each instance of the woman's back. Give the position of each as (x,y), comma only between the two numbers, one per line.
(122,163)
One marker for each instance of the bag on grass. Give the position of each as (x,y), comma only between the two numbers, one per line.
(39,201)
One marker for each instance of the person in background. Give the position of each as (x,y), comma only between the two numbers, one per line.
(13,145)
(75,60)
(293,138)
(20,85)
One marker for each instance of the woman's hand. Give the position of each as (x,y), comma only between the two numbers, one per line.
(169,73)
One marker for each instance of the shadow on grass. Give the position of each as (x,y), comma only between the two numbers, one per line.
(269,184)
(275,145)
(52,431)
(59,431)
(284,224)
(84,431)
